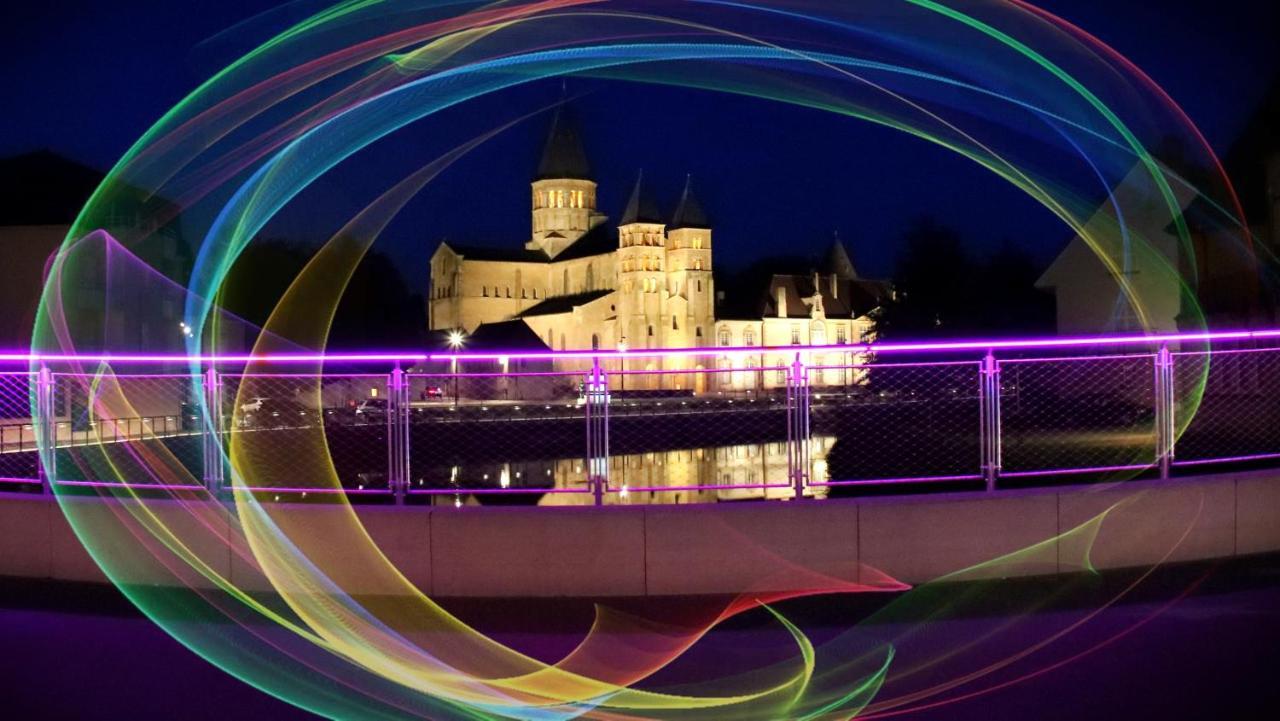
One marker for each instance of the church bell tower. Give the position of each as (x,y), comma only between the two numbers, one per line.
(564,195)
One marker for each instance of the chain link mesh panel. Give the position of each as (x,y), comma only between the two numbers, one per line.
(698,435)
(270,423)
(18,457)
(498,435)
(143,429)
(1077,413)
(1238,415)
(894,422)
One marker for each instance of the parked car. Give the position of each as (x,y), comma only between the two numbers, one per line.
(263,412)
(431,393)
(371,410)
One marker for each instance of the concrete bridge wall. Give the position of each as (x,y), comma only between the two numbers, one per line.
(725,548)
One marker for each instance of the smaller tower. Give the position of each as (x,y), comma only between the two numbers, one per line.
(564,195)
(688,254)
(642,281)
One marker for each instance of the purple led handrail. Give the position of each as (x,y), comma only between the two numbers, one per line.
(1090,348)
(992,344)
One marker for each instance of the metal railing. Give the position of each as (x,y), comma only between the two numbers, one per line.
(675,426)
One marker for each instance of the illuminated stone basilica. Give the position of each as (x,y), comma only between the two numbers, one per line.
(580,284)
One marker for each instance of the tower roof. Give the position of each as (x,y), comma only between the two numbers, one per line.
(640,208)
(562,155)
(838,261)
(689,213)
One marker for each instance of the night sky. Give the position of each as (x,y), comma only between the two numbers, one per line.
(87,78)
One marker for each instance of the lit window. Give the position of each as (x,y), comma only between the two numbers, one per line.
(697,242)
(697,263)
(795,335)
(842,335)
(726,338)
(748,337)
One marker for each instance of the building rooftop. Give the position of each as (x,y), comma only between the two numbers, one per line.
(564,303)
(689,213)
(563,155)
(641,208)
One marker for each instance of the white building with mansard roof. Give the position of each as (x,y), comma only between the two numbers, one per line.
(646,283)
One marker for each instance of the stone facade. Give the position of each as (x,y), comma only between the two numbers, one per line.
(643,284)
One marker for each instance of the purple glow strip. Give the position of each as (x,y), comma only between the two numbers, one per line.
(131,485)
(891,481)
(924,347)
(318,491)
(1068,471)
(1232,351)
(18,480)
(1058,359)
(731,487)
(489,491)
(112,374)
(1228,459)
(881,366)
(376,376)
(555,374)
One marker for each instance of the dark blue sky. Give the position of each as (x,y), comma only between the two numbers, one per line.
(87,78)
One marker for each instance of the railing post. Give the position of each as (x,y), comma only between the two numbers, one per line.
(47,430)
(597,418)
(398,434)
(989,432)
(212,431)
(1165,431)
(798,426)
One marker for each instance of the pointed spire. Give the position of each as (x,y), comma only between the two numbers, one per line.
(562,155)
(640,208)
(838,261)
(689,213)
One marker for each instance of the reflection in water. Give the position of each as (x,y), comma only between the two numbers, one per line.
(752,471)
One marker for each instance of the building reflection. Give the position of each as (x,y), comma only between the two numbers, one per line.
(752,471)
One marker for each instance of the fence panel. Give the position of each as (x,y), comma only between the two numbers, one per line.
(271,421)
(498,437)
(1227,405)
(18,458)
(143,429)
(699,435)
(889,423)
(1064,415)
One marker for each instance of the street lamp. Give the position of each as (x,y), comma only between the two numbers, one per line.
(456,339)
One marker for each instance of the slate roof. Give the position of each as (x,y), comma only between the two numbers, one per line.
(641,208)
(689,213)
(509,255)
(564,303)
(505,335)
(853,297)
(597,241)
(563,155)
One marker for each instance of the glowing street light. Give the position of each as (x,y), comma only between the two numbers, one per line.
(456,340)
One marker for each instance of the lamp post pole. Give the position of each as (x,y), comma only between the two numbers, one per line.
(456,339)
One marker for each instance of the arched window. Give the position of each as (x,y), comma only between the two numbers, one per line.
(595,342)
(591,277)
(523,294)
(650,331)
(508,291)
(565,281)
(674,325)
(795,335)
(726,338)
(535,293)
(697,263)
(699,286)
(748,337)
(697,242)
(697,332)
(484,291)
